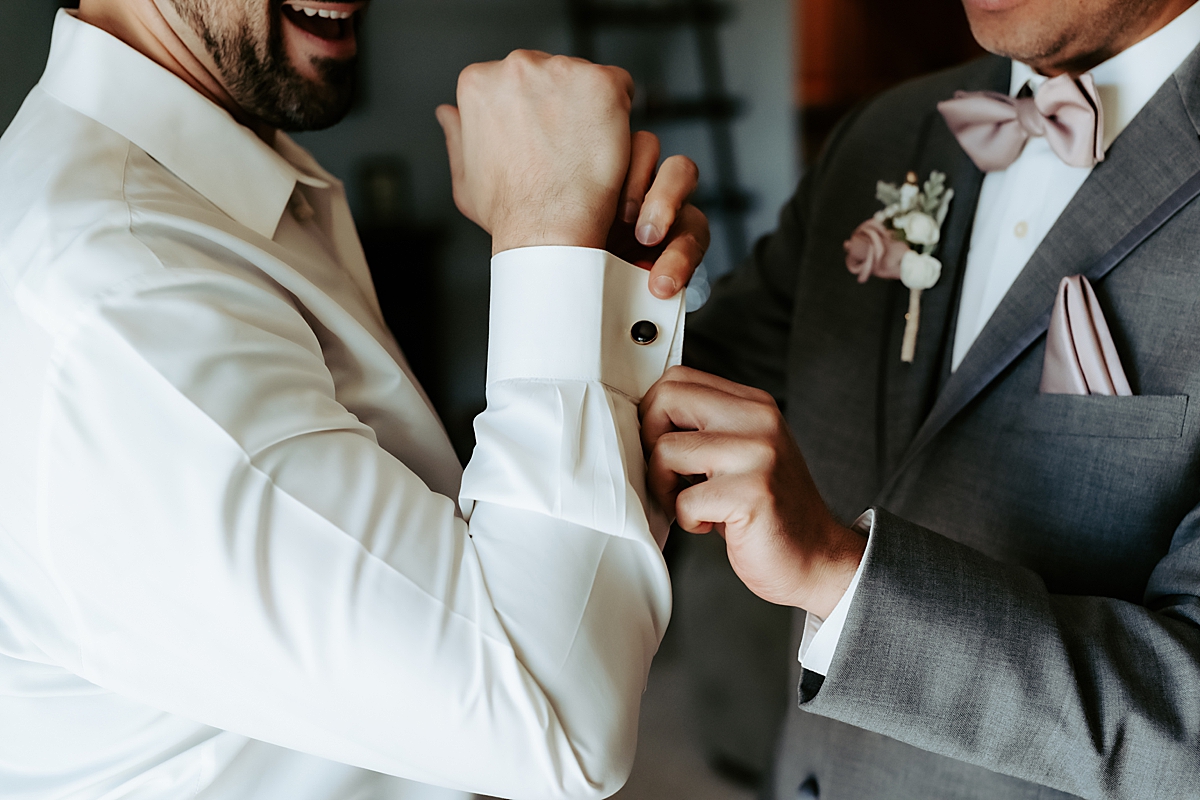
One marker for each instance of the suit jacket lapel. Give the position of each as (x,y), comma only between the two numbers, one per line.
(1152,158)
(907,391)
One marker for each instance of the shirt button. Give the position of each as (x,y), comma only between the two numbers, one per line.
(644,332)
(1021,229)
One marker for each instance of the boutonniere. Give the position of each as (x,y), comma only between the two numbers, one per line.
(899,241)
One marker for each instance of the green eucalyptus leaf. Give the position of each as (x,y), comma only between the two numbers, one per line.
(887,193)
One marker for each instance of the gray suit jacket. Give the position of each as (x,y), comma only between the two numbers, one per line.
(1028,621)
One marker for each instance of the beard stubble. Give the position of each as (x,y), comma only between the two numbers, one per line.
(256,71)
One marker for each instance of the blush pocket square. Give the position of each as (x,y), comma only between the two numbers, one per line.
(1080,356)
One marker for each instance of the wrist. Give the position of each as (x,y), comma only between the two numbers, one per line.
(543,238)
(833,570)
(587,228)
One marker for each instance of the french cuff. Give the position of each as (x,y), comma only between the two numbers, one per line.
(579,314)
(821,636)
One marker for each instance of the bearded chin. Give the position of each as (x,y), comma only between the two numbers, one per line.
(270,88)
(294,103)
(259,76)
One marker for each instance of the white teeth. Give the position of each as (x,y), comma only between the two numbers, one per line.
(323,12)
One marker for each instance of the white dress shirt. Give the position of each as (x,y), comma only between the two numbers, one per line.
(1017,208)
(232,564)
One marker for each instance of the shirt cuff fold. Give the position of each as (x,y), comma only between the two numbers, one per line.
(821,636)
(579,314)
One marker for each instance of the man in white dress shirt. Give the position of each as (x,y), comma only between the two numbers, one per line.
(238,557)
(1017,614)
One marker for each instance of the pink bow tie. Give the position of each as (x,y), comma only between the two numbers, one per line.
(993,128)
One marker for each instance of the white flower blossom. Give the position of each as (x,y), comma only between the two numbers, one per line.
(919,228)
(909,194)
(919,271)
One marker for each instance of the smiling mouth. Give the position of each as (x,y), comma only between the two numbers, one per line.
(329,21)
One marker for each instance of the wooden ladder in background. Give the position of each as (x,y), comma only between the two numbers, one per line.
(714,107)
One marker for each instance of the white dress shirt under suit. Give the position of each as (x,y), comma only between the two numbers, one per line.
(1017,208)
(232,564)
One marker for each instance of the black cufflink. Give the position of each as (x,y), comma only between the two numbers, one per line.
(643,332)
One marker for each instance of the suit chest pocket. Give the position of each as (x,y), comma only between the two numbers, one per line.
(1097,416)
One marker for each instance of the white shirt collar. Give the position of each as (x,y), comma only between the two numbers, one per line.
(1128,80)
(105,79)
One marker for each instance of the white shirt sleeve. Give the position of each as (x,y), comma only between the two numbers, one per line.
(821,636)
(236,548)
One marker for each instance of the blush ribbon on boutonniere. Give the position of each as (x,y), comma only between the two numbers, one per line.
(883,245)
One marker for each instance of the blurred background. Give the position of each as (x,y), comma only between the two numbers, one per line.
(749,89)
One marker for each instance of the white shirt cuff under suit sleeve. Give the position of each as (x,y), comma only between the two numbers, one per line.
(821,636)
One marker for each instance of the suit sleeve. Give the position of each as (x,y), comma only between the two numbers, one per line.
(238,549)
(1093,696)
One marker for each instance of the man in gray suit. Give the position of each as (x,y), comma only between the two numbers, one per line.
(1018,613)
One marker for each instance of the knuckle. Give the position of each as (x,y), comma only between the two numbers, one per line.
(673,394)
(671,442)
(762,452)
(686,167)
(690,245)
(762,416)
(764,398)
(778,428)
(772,421)
(650,399)
(617,77)
(612,81)
(761,489)
(470,76)
(687,510)
(520,65)
(675,373)
(658,476)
